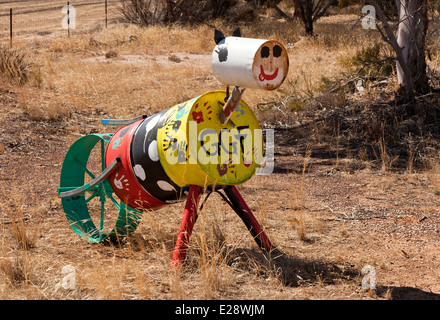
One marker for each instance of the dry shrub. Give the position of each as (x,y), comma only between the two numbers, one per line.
(17,217)
(143,12)
(298,219)
(209,253)
(187,12)
(17,271)
(374,60)
(46,106)
(14,65)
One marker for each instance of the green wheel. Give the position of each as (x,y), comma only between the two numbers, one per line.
(85,202)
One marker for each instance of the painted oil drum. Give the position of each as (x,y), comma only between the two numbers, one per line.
(123,181)
(196,149)
(250,63)
(146,163)
(185,145)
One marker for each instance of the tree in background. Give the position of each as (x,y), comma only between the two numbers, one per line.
(312,10)
(308,11)
(143,12)
(409,44)
(149,12)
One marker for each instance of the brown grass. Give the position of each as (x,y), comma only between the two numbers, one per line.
(312,212)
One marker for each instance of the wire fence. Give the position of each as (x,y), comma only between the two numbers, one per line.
(29,18)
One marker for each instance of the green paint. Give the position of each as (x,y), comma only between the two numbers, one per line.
(75,208)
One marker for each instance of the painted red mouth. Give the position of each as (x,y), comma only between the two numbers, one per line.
(263,76)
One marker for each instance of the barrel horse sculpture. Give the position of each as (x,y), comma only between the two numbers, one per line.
(210,143)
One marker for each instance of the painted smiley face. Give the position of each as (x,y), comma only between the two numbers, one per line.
(271,64)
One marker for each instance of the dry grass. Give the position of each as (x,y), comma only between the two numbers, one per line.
(143,68)
(135,81)
(14,65)
(298,220)
(126,71)
(16,214)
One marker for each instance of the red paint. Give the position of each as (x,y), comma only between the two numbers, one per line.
(222,169)
(186,226)
(246,162)
(253,222)
(263,76)
(198,116)
(209,112)
(131,193)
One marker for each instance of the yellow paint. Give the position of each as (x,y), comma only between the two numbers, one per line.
(189,137)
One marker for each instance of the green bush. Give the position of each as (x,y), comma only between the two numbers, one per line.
(375,60)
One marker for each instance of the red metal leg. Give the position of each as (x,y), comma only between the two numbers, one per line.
(245,213)
(186,226)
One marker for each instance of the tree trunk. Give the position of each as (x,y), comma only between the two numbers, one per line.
(411,37)
(309,27)
(310,11)
(169,11)
(297,13)
(306,10)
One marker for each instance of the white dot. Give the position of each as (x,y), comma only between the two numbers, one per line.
(152,151)
(165,186)
(139,172)
(152,123)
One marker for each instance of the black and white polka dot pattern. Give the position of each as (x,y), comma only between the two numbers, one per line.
(146,163)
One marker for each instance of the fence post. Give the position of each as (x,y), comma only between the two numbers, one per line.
(68,19)
(10,28)
(106,14)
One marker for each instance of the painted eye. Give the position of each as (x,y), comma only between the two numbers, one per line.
(277,51)
(265,52)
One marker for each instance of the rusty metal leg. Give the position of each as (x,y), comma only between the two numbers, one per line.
(244,212)
(186,226)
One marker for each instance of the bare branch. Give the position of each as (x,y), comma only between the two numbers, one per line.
(320,13)
(280,12)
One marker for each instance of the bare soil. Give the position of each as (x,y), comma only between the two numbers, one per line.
(352,217)
(330,213)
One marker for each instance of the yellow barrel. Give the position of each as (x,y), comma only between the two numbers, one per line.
(196,149)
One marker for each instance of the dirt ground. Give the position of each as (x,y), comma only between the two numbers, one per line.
(343,229)
(353,218)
